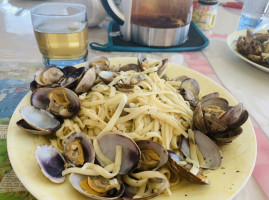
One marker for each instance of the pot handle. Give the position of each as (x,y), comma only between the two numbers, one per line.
(113,11)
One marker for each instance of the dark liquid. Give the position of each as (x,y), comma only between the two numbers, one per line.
(158,21)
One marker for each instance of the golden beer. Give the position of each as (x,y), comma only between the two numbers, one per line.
(61,33)
(62,45)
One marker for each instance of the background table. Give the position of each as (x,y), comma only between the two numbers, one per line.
(20,58)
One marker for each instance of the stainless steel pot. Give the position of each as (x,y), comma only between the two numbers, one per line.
(161,23)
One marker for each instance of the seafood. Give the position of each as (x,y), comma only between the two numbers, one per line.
(103,188)
(37,121)
(215,118)
(109,162)
(153,155)
(78,149)
(51,163)
(58,101)
(254,46)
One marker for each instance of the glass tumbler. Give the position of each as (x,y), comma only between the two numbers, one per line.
(61,33)
(252,13)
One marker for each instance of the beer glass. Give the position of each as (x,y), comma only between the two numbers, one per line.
(61,33)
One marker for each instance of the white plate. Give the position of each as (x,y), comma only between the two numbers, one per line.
(237,164)
(231,41)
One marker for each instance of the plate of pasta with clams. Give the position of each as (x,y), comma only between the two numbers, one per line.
(130,128)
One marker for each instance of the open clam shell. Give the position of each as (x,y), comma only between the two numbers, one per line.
(24,125)
(39,119)
(39,98)
(130,150)
(75,180)
(86,144)
(68,69)
(49,76)
(190,90)
(100,63)
(209,150)
(226,137)
(235,116)
(63,102)
(107,76)
(87,81)
(51,162)
(162,68)
(151,147)
(215,117)
(73,78)
(142,62)
(183,171)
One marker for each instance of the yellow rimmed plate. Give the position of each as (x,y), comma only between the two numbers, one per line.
(238,157)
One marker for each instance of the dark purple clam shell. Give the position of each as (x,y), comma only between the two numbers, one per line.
(51,162)
(73,78)
(68,69)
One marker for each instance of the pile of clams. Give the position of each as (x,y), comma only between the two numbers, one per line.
(214,117)
(136,157)
(254,46)
(55,97)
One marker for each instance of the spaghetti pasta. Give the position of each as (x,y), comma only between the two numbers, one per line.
(152,109)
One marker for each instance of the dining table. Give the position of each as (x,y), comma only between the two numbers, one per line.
(20,59)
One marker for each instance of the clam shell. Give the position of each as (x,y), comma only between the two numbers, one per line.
(39,98)
(57,75)
(51,162)
(130,150)
(75,180)
(107,76)
(161,70)
(190,90)
(209,96)
(73,78)
(100,63)
(210,151)
(129,67)
(73,107)
(235,116)
(24,125)
(86,82)
(227,136)
(89,154)
(184,172)
(39,119)
(156,147)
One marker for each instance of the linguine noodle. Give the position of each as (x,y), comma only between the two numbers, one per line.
(152,110)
